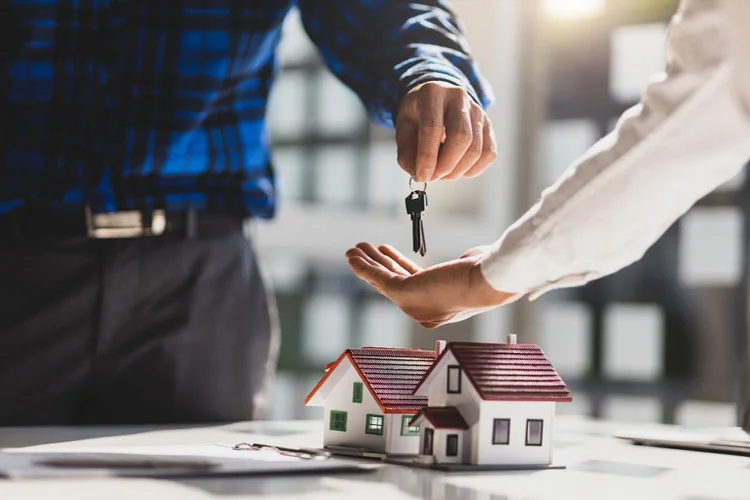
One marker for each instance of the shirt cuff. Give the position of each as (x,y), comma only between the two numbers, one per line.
(438,72)
(415,72)
(520,263)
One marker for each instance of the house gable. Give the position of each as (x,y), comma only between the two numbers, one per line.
(423,386)
(330,380)
(500,372)
(449,386)
(388,374)
(444,382)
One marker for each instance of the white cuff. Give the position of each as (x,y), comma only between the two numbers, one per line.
(519,262)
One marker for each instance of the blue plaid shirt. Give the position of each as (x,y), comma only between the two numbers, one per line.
(139,104)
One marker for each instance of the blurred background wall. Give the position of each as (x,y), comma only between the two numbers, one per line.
(658,341)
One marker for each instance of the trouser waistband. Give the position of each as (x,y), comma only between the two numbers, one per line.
(56,225)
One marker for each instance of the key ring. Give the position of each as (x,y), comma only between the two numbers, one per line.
(424,190)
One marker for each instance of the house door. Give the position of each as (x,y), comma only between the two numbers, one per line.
(429,436)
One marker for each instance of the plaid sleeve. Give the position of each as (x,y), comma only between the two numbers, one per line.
(383,48)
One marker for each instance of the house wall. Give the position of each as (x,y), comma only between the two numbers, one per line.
(516,451)
(440,446)
(472,441)
(467,401)
(396,443)
(440,443)
(340,398)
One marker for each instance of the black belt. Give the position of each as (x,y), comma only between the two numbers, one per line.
(26,224)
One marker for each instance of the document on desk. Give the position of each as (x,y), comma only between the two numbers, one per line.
(731,440)
(196,460)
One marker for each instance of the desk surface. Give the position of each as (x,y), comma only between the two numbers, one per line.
(598,466)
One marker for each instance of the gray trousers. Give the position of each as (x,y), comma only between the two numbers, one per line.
(150,330)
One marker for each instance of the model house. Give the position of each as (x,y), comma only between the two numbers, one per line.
(489,404)
(369,401)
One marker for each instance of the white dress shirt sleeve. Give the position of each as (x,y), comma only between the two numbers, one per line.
(689,134)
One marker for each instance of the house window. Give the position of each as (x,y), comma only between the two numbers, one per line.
(429,434)
(357,392)
(501,431)
(406,429)
(338,421)
(454,379)
(534,432)
(374,425)
(451,445)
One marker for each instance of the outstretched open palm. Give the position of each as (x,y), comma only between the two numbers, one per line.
(445,293)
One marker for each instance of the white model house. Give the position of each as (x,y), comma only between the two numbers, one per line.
(489,404)
(368,397)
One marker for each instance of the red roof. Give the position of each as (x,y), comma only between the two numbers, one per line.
(442,417)
(507,372)
(390,374)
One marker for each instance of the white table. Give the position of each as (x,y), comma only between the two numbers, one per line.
(598,467)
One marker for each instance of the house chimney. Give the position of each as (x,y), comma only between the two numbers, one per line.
(439,346)
(511,338)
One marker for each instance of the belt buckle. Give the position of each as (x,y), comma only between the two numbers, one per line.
(126,224)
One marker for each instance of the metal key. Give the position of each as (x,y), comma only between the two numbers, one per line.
(416,203)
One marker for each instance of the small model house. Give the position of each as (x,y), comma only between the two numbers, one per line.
(489,404)
(369,401)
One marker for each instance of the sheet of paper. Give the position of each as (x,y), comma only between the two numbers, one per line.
(160,461)
(728,440)
(203,450)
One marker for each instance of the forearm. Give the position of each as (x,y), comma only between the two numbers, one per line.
(689,135)
(384,48)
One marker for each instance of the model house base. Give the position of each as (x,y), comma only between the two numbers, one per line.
(416,462)
(426,462)
(348,451)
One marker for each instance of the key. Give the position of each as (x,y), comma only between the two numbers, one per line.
(416,203)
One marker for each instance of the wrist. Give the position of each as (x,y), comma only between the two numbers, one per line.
(484,292)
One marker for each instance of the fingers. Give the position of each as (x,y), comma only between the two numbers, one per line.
(371,265)
(407,137)
(383,259)
(357,252)
(489,151)
(458,136)
(374,274)
(442,133)
(397,256)
(430,134)
(469,147)
(473,152)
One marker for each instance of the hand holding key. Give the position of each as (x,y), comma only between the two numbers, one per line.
(442,133)
(416,204)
